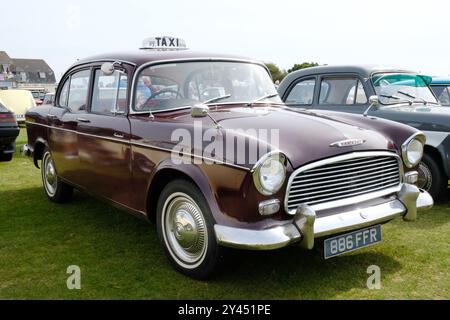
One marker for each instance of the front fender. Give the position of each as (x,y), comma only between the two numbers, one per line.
(194,173)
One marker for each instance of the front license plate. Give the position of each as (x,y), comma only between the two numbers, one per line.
(351,241)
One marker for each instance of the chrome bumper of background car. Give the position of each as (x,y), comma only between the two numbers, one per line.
(306,226)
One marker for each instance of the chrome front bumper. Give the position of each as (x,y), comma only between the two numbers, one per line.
(306,226)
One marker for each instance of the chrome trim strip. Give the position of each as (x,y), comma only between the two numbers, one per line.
(145,146)
(345,201)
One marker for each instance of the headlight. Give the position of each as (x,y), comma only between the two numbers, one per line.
(413,150)
(269,173)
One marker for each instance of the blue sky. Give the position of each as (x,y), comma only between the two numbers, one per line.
(411,34)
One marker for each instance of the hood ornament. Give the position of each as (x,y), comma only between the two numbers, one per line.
(348,143)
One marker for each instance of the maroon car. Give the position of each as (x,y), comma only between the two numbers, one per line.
(202,145)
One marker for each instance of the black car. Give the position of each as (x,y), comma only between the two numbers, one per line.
(9,131)
(399,95)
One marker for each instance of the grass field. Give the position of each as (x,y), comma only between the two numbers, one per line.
(120,257)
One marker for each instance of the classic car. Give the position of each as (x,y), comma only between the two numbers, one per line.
(18,101)
(384,92)
(9,131)
(146,146)
(441,88)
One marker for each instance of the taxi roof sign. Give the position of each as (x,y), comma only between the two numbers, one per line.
(164,43)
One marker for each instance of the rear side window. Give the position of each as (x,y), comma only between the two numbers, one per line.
(302,93)
(342,91)
(78,91)
(110,93)
(64,94)
(442,93)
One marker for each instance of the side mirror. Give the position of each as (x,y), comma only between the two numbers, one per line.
(374,100)
(199,111)
(107,68)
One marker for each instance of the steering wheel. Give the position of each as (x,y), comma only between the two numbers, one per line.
(176,93)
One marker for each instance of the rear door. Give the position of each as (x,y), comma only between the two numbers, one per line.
(63,120)
(104,138)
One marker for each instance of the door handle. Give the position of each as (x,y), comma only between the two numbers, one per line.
(118,135)
(84,120)
(51,116)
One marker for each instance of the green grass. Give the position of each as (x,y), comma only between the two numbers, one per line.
(120,257)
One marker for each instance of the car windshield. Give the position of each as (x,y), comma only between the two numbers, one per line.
(395,88)
(175,85)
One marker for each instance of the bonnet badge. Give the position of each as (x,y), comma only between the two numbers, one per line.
(348,143)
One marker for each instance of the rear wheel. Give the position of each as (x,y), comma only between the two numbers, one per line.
(431,177)
(55,189)
(186,230)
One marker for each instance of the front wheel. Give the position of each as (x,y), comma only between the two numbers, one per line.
(186,230)
(432,177)
(55,189)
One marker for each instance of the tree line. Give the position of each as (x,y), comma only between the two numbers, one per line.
(279,74)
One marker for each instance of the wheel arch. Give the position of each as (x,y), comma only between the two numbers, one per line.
(167,172)
(38,151)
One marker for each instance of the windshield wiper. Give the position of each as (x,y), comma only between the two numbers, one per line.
(389,96)
(413,97)
(267,96)
(217,99)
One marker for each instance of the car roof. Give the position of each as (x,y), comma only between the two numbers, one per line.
(143,56)
(364,70)
(441,80)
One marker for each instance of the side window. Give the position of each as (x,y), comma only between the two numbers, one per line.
(110,93)
(302,93)
(342,91)
(78,91)
(357,95)
(442,94)
(64,94)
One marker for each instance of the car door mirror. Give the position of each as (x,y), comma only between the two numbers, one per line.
(374,101)
(199,111)
(107,68)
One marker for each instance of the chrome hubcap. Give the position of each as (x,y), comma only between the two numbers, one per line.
(49,172)
(425,177)
(184,230)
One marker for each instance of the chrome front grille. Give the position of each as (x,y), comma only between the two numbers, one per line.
(344,180)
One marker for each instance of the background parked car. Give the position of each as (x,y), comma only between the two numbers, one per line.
(401,95)
(18,101)
(441,88)
(38,95)
(9,131)
(49,98)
